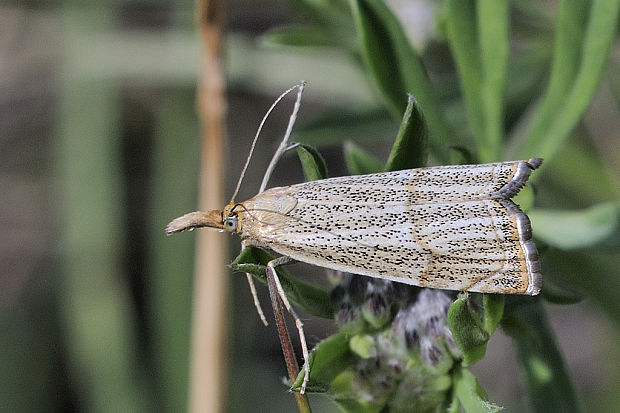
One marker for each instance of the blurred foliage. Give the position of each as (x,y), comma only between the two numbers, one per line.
(497,80)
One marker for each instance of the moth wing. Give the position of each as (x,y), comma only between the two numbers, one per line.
(423,185)
(482,245)
(440,227)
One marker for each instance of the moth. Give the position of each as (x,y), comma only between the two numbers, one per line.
(448,227)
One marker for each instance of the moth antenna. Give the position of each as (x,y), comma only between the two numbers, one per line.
(284,146)
(246,210)
(260,128)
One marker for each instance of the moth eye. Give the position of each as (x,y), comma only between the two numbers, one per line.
(230,223)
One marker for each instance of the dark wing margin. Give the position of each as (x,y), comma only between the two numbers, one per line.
(524,226)
(517,182)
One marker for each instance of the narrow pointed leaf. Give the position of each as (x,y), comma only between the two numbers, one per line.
(409,149)
(396,68)
(463,41)
(492,25)
(470,394)
(329,14)
(355,406)
(360,162)
(298,37)
(460,155)
(493,305)
(546,377)
(478,37)
(328,359)
(312,162)
(591,273)
(336,127)
(594,227)
(568,36)
(556,294)
(597,41)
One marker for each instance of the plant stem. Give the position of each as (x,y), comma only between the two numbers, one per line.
(208,358)
(285,340)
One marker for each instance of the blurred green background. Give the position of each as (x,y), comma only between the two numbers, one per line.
(99,150)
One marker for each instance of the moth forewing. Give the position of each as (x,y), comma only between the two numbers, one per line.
(407,227)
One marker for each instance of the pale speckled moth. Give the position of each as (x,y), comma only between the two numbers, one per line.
(448,227)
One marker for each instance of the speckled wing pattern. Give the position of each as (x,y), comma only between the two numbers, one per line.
(449,227)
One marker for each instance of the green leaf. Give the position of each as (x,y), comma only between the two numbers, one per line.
(312,162)
(580,80)
(493,305)
(591,273)
(358,406)
(470,394)
(557,294)
(528,74)
(382,42)
(546,378)
(299,37)
(462,38)
(409,149)
(396,68)
(594,227)
(460,155)
(494,45)
(358,161)
(573,171)
(454,406)
(478,37)
(312,299)
(328,359)
(525,198)
(329,14)
(336,127)
(468,330)
(569,29)
(345,391)
(363,345)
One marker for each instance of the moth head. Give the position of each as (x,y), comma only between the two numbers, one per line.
(230,218)
(197,219)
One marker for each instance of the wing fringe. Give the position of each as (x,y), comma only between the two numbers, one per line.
(518,181)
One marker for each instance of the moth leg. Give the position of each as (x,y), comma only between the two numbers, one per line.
(259,309)
(271,267)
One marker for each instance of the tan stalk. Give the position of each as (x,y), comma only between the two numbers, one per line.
(210,314)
